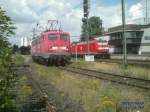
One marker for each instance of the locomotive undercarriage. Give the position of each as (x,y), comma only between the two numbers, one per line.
(52,59)
(97,56)
(102,56)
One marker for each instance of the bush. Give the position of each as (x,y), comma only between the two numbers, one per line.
(7,76)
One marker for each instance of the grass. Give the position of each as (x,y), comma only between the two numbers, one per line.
(23,91)
(24,88)
(94,95)
(81,63)
(18,59)
(134,71)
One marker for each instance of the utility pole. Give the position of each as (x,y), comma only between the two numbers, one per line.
(76,52)
(146,15)
(123,35)
(86,20)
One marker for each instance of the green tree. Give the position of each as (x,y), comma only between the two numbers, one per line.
(94,28)
(25,50)
(15,48)
(7,77)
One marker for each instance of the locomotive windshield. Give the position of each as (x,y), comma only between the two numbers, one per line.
(102,41)
(52,37)
(64,37)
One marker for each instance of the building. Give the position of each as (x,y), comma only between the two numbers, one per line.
(25,41)
(138,39)
(103,37)
(145,42)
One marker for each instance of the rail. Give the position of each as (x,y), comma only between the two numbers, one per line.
(41,93)
(141,63)
(124,80)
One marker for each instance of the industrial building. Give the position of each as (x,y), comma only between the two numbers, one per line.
(138,39)
(25,41)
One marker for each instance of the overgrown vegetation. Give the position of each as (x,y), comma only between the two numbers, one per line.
(92,94)
(81,63)
(18,59)
(24,91)
(7,75)
(133,71)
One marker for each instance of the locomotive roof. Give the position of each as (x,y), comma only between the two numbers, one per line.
(84,42)
(55,32)
(51,32)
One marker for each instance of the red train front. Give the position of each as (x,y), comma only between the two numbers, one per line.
(98,48)
(52,46)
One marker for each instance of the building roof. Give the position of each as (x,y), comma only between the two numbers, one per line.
(128,27)
(145,26)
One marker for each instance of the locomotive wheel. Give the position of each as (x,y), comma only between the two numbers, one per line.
(45,62)
(63,63)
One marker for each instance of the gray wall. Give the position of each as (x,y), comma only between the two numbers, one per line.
(145,43)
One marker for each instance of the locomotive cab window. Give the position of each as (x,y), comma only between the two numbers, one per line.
(102,41)
(52,37)
(64,37)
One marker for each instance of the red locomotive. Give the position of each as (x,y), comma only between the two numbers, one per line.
(98,48)
(52,46)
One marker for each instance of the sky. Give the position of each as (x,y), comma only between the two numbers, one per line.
(26,13)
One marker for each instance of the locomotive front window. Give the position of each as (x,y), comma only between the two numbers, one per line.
(52,37)
(64,37)
(102,41)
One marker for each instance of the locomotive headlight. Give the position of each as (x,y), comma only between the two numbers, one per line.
(64,48)
(100,48)
(54,48)
(106,48)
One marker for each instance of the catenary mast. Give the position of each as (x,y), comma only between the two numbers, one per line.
(86,6)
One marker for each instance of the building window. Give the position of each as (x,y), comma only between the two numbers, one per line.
(113,37)
(147,37)
(130,35)
(139,34)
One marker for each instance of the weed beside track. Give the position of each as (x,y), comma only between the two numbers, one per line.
(91,94)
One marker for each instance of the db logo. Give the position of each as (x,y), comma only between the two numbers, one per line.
(81,48)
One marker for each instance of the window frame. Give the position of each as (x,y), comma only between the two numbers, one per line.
(51,35)
(146,37)
(65,38)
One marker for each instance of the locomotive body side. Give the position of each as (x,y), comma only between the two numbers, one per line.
(96,48)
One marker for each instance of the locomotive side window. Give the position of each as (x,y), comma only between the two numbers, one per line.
(52,37)
(64,37)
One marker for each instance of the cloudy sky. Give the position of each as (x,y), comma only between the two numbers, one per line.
(26,13)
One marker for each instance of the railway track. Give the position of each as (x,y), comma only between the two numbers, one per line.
(38,90)
(142,63)
(124,80)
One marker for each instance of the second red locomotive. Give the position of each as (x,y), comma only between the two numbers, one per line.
(98,48)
